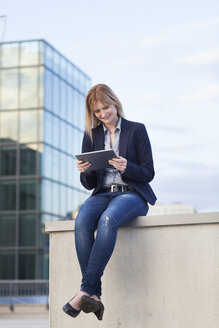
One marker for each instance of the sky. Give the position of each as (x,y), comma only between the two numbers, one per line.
(161,58)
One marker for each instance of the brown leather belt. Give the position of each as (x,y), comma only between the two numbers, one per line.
(117,188)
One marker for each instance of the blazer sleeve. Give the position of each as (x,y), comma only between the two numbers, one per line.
(143,170)
(88,180)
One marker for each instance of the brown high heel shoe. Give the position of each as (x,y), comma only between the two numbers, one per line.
(89,304)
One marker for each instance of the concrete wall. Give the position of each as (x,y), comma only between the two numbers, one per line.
(164,273)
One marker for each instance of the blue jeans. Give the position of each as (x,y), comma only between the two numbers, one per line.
(105,212)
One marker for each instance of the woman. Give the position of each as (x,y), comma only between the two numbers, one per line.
(120,194)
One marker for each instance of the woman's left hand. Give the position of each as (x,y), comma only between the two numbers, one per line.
(119,163)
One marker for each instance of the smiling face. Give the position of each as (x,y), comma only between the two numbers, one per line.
(106,114)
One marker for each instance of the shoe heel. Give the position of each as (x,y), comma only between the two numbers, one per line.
(99,313)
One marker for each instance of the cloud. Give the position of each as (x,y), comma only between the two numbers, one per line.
(160,40)
(154,41)
(209,93)
(201,58)
(212,22)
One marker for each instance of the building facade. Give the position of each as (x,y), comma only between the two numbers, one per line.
(42,99)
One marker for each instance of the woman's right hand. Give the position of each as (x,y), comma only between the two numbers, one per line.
(82,166)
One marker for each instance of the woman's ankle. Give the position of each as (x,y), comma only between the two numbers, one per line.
(95,297)
(76,300)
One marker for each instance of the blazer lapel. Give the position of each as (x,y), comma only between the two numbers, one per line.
(124,137)
(123,141)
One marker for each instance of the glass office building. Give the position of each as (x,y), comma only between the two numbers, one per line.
(42,117)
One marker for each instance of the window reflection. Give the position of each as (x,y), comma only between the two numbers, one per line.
(75,110)
(63,95)
(55,198)
(9,54)
(77,79)
(41,93)
(48,56)
(63,136)
(48,89)
(8,195)
(41,51)
(7,265)
(63,166)
(40,126)
(63,64)
(27,230)
(63,201)
(9,89)
(70,132)
(8,160)
(56,62)
(76,201)
(29,86)
(26,264)
(7,230)
(46,196)
(71,105)
(43,237)
(8,126)
(29,53)
(70,169)
(76,175)
(47,162)
(81,111)
(27,195)
(70,73)
(55,165)
(56,95)
(28,156)
(56,132)
(28,125)
(76,141)
(47,128)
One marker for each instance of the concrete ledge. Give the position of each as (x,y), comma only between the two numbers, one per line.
(147,221)
(164,273)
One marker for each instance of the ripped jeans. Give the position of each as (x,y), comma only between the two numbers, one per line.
(106,213)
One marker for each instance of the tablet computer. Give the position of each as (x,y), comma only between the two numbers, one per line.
(98,159)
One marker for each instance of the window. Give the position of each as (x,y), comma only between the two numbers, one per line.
(29,54)
(9,89)
(7,265)
(8,195)
(48,89)
(27,195)
(9,54)
(7,230)
(8,126)
(8,156)
(28,125)
(27,230)
(29,87)
(26,264)
(28,155)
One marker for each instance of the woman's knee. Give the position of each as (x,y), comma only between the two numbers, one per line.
(85,222)
(107,222)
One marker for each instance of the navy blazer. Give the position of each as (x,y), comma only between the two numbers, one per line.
(134,145)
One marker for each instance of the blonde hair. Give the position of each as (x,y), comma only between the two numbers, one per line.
(102,93)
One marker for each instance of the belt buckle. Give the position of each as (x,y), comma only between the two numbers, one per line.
(112,188)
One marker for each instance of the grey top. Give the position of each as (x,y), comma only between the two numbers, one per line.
(112,175)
